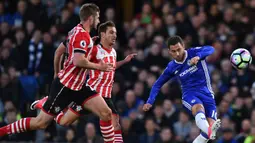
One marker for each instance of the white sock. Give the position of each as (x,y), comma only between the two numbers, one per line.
(200,139)
(201,122)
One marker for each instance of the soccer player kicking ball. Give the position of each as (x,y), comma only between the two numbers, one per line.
(100,81)
(69,86)
(189,66)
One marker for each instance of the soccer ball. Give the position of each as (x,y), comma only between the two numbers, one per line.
(241,58)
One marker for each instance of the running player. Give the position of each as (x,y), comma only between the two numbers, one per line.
(69,85)
(189,66)
(100,81)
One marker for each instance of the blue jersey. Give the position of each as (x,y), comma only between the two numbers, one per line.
(192,77)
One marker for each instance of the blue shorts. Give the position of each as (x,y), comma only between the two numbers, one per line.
(191,98)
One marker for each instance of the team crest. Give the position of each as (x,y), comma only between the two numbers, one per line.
(101,55)
(198,47)
(188,62)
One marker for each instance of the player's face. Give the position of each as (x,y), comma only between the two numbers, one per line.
(111,35)
(95,21)
(177,51)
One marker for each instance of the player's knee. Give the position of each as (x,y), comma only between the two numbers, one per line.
(196,108)
(106,114)
(64,122)
(41,123)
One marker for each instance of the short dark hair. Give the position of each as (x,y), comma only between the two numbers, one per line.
(174,40)
(87,10)
(103,27)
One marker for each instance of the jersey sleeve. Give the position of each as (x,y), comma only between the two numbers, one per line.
(65,42)
(164,77)
(81,42)
(203,52)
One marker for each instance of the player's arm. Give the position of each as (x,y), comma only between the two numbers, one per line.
(57,58)
(120,63)
(81,41)
(164,77)
(201,53)
(80,60)
(204,51)
(126,60)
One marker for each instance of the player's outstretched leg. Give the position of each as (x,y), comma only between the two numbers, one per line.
(27,124)
(117,129)
(64,118)
(202,123)
(98,106)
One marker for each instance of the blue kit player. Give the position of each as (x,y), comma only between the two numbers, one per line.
(189,66)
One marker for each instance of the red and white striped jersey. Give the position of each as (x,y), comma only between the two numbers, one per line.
(78,40)
(99,80)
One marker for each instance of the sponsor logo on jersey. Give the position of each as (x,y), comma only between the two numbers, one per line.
(188,62)
(189,70)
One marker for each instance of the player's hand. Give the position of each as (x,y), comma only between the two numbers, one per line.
(194,60)
(105,66)
(147,107)
(130,57)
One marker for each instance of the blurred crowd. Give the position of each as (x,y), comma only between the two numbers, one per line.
(31,30)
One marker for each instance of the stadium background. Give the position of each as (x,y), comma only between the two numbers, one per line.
(31,30)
